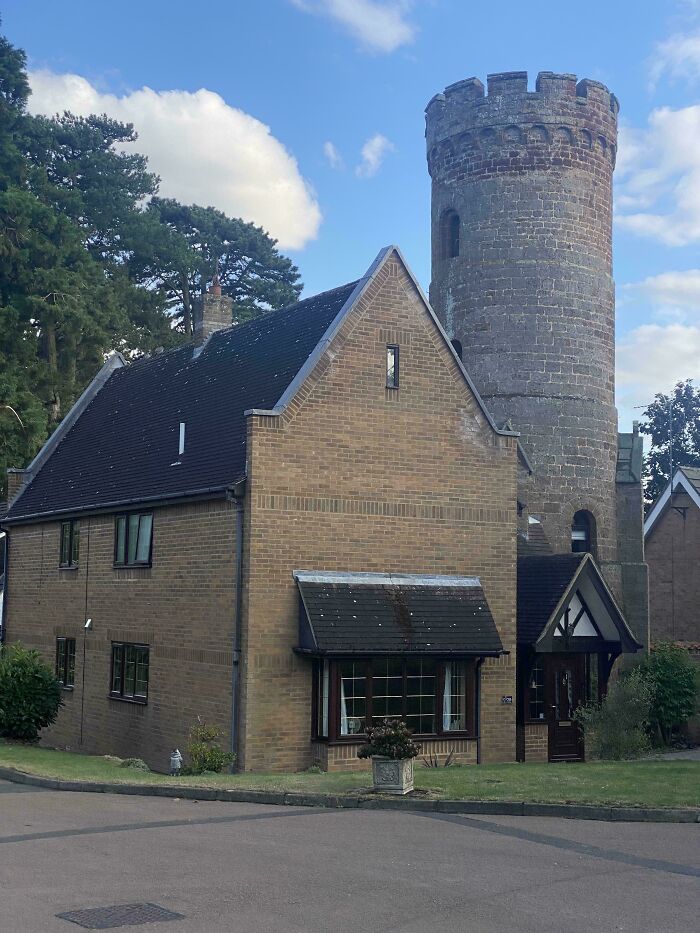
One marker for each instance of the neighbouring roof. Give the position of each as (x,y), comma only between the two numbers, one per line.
(547,583)
(686,479)
(374,613)
(125,443)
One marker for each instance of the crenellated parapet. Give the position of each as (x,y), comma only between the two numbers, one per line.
(507,127)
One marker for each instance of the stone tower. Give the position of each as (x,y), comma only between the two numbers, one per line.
(522,277)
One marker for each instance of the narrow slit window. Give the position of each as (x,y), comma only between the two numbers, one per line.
(392,367)
(70,544)
(65,662)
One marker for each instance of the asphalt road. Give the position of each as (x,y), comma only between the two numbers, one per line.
(255,869)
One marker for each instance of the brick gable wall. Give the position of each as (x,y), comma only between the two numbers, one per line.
(673,555)
(356,477)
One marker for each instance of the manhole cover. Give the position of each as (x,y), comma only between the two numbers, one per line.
(122,915)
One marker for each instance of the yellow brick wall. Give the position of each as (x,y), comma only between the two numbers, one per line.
(355,477)
(182,607)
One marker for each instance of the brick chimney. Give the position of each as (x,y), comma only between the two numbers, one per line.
(212,312)
(15,480)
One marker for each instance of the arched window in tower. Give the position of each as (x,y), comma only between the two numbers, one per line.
(583,533)
(450,235)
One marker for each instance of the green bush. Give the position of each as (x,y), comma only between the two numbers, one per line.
(673,677)
(617,727)
(392,739)
(30,695)
(204,751)
(136,764)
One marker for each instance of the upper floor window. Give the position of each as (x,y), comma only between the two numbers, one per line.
(65,661)
(133,538)
(450,235)
(70,544)
(583,533)
(392,367)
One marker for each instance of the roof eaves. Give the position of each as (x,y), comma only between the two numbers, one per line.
(679,478)
(101,507)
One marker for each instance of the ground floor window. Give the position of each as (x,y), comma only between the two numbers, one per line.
(65,661)
(433,696)
(130,672)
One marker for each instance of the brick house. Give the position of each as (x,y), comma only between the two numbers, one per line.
(672,544)
(291,528)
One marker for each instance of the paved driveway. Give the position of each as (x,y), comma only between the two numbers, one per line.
(240,867)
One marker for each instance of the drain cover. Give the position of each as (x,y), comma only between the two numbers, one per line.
(122,915)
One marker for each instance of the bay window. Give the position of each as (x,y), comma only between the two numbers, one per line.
(433,697)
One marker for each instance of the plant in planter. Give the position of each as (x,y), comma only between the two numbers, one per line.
(392,751)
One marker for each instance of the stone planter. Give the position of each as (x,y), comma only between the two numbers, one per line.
(392,775)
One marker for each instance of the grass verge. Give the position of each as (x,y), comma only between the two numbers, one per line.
(627,783)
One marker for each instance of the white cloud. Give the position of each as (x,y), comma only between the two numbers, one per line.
(373,154)
(678,57)
(653,358)
(658,178)
(379,26)
(335,160)
(677,290)
(205,151)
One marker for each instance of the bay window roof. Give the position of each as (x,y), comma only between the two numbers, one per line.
(394,614)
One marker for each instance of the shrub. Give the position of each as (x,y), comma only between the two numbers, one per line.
(204,751)
(616,728)
(392,739)
(673,677)
(30,695)
(136,764)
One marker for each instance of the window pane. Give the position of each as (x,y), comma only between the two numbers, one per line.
(65,544)
(129,671)
(117,664)
(141,686)
(75,543)
(322,700)
(392,367)
(536,692)
(132,539)
(420,695)
(143,549)
(60,659)
(387,688)
(121,540)
(353,700)
(70,662)
(454,718)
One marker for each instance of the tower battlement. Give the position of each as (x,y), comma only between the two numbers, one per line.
(561,111)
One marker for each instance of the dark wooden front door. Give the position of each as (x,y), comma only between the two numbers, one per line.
(565,690)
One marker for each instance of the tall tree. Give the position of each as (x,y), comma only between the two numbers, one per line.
(673,425)
(186,246)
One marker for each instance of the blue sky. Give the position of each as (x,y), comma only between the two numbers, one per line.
(307,116)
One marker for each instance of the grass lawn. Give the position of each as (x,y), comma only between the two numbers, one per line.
(633,783)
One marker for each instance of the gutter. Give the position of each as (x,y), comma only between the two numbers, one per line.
(97,508)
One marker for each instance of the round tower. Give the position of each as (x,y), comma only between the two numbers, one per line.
(522,277)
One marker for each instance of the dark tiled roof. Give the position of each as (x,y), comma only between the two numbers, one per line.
(542,581)
(693,475)
(124,444)
(534,541)
(377,614)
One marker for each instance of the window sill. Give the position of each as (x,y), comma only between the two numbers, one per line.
(67,688)
(70,568)
(133,701)
(361,738)
(142,566)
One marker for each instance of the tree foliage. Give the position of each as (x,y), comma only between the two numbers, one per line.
(675,416)
(91,260)
(616,728)
(674,681)
(30,695)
